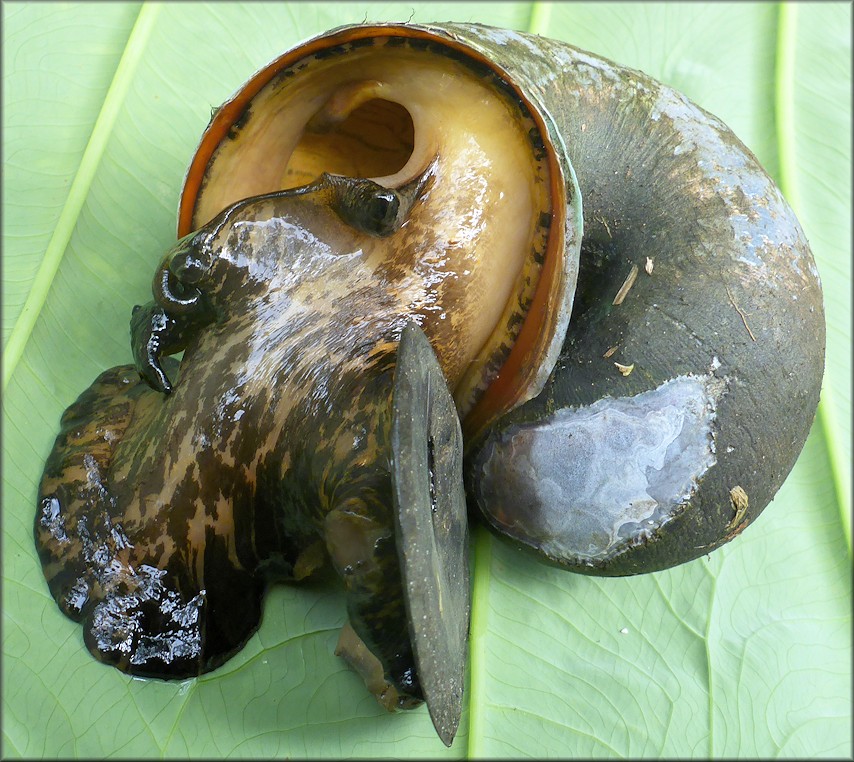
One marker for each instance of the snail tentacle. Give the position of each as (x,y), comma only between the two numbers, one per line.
(150,329)
(156,334)
(179,310)
(172,295)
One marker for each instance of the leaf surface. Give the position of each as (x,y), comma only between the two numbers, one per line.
(743,653)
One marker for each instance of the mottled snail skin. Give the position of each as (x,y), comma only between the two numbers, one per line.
(163,518)
(291,432)
(615,474)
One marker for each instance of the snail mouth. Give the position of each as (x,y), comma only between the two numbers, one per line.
(485,240)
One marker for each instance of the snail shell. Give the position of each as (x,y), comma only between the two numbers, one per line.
(647,429)
(691,369)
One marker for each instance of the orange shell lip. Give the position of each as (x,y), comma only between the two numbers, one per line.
(523,372)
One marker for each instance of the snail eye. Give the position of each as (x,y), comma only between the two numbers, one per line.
(188,269)
(381,211)
(188,262)
(365,205)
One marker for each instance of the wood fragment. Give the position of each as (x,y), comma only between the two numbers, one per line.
(738,498)
(624,369)
(605,223)
(627,284)
(740,312)
(609,352)
(648,266)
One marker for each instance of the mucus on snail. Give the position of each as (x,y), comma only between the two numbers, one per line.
(413,282)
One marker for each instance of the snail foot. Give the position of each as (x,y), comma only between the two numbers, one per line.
(73,529)
(145,628)
(153,623)
(140,618)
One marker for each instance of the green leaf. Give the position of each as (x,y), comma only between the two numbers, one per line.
(814,128)
(743,653)
(49,156)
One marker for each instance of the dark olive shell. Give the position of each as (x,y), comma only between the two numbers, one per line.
(696,278)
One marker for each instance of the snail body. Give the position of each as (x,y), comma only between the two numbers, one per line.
(364,320)
(271,454)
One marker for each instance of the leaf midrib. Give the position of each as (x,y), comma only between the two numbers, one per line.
(784,112)
(538,23)
(79,191)
(482,547)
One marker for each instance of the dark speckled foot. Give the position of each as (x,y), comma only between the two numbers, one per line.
(174,622)
(432,529)
(74,532)
(147,628)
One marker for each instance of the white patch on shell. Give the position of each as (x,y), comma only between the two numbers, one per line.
(754,204)
(588,481)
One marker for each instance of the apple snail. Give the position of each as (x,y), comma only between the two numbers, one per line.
(427,273)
